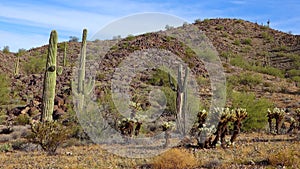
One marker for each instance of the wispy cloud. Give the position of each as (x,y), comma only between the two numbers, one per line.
(20,18)
(237,2)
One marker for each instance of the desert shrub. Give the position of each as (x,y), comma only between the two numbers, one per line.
(130,37)
(245,79)
(296,78)
(21,52)
(4,89)
(294,72)
(269,70)
(280,48)
(220,27)
(5,49)
(73,39)
(247,41)
(5,147)
(49,135)
(35,64)
(237,42)
(287,157)
(22,119)
(267,37)
(198,21)
(175,159)
(243,63)
(256,108)
(3,116)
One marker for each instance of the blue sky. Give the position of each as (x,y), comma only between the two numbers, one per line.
(26,24)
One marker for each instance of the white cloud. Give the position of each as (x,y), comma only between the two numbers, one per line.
(54,17)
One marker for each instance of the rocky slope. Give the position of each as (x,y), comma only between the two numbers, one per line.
(255,44)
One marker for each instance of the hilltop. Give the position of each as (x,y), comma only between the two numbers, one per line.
(243,47)
(261,66)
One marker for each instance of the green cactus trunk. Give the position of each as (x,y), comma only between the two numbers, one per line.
(50,79)
(16,73)
(65,54)
(81,71)
(83,88)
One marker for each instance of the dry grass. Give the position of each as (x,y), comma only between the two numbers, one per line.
(175,159)
(91,156)
(272,152)
(286,157)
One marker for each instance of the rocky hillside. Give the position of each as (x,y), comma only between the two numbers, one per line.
(245,48)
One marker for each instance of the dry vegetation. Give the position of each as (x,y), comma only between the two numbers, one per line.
(252,150)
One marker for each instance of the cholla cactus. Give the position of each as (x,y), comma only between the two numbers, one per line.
(202,115)
(225,117)
(278,114)
(128,126)
(238,115)
(167,127)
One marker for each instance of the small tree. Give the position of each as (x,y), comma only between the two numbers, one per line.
(73,39)
(5,49)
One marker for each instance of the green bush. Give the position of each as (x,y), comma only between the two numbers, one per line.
(241,62)
(5,147)
(49,135)
(237,42)
(245,79)
(267,37)
(220,27)
(5,49)
(3,116)
(256,108)
(4,89)
(22,119)
(247,41)
(35,65)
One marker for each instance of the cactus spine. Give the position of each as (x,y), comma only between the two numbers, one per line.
(82,89)
(50,79)
(65,54)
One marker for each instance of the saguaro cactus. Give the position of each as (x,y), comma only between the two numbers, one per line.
(16,73)
(65,54)
(181,98)
(50,79)
(82,89)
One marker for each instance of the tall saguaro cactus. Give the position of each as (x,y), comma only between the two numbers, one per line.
(65,54)
(16,73)
(181,98)
(83,88)
(50,79)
